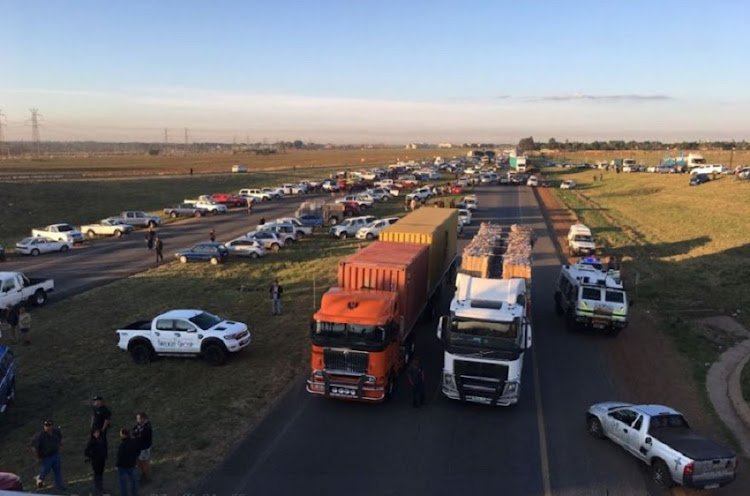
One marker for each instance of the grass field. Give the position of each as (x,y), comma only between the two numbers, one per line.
(125,165)
(689,246)
(199,412)
(651,157)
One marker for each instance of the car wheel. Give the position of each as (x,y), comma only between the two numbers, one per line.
(343,235)
(595,427)
(253,254)
(173,215)
(118,233)
(64,248)
(198,214)
(214,261)
(370,236)
(660,474)
(215,354)
(183,259)
(40,297)
(34,252)
(91,233)
(141,353)
(275,247)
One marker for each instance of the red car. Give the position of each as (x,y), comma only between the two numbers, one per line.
(10,482)
(351,209)
(457,190)
(229,200)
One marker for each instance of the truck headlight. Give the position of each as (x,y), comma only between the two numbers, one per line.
(511,388)
(449,381)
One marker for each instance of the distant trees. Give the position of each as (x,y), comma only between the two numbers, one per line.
(526,145)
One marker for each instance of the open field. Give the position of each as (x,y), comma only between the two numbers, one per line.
(199,412)
(688,246)
(140,165)
(648,157)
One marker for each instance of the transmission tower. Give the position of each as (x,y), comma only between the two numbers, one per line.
(35,128)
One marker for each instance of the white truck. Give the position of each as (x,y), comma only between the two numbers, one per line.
(139,219)
(59,232)
(17,289)
(183,333)
(485,338)
(293,189)
(208,205)
(580,240)
(107,227)
(661,438)
(255,193)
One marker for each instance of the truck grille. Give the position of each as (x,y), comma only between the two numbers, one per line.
(350,362)
(480,379)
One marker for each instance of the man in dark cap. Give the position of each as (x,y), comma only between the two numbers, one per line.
(101,417)
(46,448)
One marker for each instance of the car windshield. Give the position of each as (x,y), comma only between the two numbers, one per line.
(64,228)
(205,320)
(337,334)
(483,334)
(583,238)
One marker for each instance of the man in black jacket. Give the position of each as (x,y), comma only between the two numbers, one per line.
(127,456)
(142,433)
(96,453)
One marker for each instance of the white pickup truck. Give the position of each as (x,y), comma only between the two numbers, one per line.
(107,227)
(661,437)
(255,193)
(209,206)
(59,232)
(17,289)
(184,333)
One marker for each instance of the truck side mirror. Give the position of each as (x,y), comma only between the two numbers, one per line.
(440,327)
(647,440)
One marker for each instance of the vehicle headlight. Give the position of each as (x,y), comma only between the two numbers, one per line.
(511,388)
(449,381)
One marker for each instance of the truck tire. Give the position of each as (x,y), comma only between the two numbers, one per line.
(34,252)
(118,233)
(660,474)
(275,247)
(198,214)
(215,354)
(594,427)
(214,261)
(142,353)
(173,215)
(64,248)
(343,235)
(39,298)
(253,255)
(409,350)
(370,236)
(91,233)
(390,387)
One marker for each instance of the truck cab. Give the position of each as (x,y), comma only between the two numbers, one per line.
(485,338)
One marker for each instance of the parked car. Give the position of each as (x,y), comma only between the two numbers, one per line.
(532,181)
(420,194)
(372,230)
(208,205)
(698,179)
(38,246)
(311,220)
(568,184)
(364,202)
(10,482)
(285,231)
(661,437)
(204,252)
(349,227)
(185,210)
(7,380)
(298,225)
(464,216)
(186,333)
(246,247)
(139,219)
(239,169)
(59,232)
(330,186)
(230,200)
(379,194)
(107,227)
(256,193)
(293,189)
(275,193)
(270,240)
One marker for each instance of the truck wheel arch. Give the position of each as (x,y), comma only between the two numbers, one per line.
(141,351)
(39,298)
(660,473)
(214,351)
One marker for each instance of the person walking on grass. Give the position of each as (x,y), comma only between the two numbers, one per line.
(127,456)
(276,291)
(96,454)
(143,434)
(46,448)
(24,324)
(159,247)
(416,381)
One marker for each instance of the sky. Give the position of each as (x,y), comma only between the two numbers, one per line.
(375,72)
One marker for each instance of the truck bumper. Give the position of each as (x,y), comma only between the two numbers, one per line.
(709,482)
(501,401)
(603,325)
(346,387)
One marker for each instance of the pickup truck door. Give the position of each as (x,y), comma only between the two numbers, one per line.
(11,291)
(187,336)
(636,437)
(619,425)
(175,336)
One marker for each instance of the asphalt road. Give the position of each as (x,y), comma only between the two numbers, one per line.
(105,260)
(310,445)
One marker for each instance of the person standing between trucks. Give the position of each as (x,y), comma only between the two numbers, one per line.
(416,380)
(276,291)
(159,246)
(46,448)
(150,235)
(96,454)
(127,457)
(12,319)
(101,417)
(24,324)
(143,434)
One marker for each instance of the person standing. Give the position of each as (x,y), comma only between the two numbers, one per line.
(413,204)
(101,417)
(212,236)
(24,324)
(262,221)
(416,380)
(96,454)
(150,235)
(159,246)
(127,456)
(46,448)
(276,291)
(12,318)
(143,434)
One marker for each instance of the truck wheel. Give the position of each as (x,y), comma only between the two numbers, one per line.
(183,259)
(141,353)
(254,255)
(151,223)
(215,354)
(39,298)
(118,233)
(595,427)
(34,252)
(660,474)
(64,248)
(214,261)
(173,215)
(91,233)
(198,214)
(275,247)
(370,236)
(343,235)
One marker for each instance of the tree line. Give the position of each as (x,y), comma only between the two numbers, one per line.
(528,144)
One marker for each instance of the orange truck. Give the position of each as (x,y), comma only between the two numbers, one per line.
(363,333)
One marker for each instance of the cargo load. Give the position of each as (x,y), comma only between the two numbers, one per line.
(497,252)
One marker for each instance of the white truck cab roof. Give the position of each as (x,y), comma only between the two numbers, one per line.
(589,274)
(579,229)
(489,299)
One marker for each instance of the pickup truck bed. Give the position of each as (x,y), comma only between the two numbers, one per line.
(690,444)
(138,325)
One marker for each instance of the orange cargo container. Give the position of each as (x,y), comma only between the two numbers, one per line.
(395,267)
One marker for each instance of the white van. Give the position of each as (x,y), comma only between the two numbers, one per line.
(580,240)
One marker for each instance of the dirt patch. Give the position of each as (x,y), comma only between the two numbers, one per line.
(644,362)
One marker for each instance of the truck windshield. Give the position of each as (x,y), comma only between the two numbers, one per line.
(584,238)
(484,335)
(205,320)
(337,334)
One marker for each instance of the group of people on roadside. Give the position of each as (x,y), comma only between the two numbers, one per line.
(155,243)
(18,320)
(133,451)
